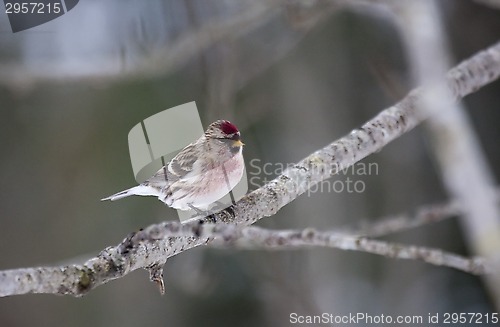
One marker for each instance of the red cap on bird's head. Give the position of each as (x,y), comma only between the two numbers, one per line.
(224,129)
(228,127)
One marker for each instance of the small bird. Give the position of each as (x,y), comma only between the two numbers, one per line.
(200,174)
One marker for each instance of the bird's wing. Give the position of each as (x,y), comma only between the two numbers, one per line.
(181,165)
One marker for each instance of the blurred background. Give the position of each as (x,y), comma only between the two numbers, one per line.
(293,76)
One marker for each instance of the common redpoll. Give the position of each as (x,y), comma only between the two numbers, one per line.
(200,174)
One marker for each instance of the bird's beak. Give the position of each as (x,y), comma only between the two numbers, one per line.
(238,143)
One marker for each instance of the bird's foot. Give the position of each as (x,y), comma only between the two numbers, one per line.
(218,206)
(198,212)
(209,213)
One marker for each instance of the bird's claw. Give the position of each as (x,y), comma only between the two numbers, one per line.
(218,206)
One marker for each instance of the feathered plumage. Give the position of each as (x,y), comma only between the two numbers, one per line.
(200,174)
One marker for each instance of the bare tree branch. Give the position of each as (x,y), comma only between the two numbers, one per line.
(402,222)
(251,238)
(423,215)
(464,167)
(115,262)
(80,278)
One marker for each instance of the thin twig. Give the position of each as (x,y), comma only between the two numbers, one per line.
(423,215)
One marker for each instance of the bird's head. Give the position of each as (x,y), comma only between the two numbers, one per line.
(224,131)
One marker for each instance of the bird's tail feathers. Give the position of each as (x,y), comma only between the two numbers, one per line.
(137,190)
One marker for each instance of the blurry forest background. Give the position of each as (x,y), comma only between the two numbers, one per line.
(293,76)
